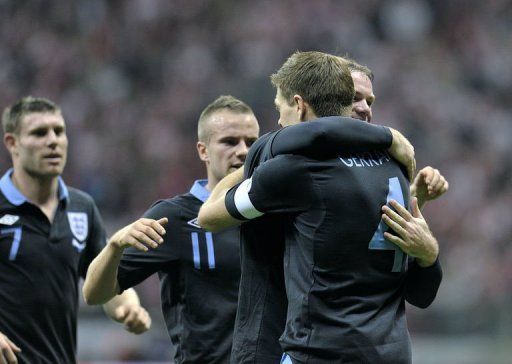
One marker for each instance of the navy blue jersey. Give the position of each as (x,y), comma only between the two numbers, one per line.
(345,284)
(262,305)
(261,314)
(40,266)
(199,273)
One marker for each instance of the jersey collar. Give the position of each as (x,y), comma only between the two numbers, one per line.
(199,190)
(15,197)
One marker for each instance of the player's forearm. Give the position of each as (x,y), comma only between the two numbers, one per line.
(101,282)
(128,297)
(213,215)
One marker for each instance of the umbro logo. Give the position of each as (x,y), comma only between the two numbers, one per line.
(194,223)
(9,219)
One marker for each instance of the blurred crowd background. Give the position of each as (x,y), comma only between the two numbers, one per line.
(132,77)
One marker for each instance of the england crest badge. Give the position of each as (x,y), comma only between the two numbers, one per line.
(79,225)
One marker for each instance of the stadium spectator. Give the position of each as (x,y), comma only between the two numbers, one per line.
(49,234)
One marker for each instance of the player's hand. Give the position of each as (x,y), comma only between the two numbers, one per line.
(429,184)
(134,317)
(141,234)
(403,151)
(414,236)
(8,350)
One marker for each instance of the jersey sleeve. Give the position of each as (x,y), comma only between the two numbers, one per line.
(96,240)
(422,284)
(280,185)
(330,136)
(258,153)
(135,265)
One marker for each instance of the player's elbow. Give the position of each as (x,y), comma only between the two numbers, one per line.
(91,297)
(206,221)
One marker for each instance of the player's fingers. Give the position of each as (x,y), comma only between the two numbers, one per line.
(446,186)
(402,211)
(413,172)
(130,318)
(395,240)
(14,347)
(151,234)
(120,313)
(433,180)
(426,173)
(394,226)
(137,245)
(141,323)
(394,216)
(439,187)
(163,221)
(10,356)
(140,236)
(7,356)
(415,208)
(158,227)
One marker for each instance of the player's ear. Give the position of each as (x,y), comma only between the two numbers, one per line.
(202,151)
(10,142)
(301,107)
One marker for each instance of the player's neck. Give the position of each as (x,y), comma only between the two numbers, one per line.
(39,190)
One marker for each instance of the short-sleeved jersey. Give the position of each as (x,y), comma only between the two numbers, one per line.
(199,275)
(40,266)
(345,283)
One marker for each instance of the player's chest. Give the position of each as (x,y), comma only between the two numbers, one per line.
(30,240)
(207,253)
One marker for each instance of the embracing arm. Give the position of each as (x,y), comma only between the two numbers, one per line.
(213,215)
(329,136)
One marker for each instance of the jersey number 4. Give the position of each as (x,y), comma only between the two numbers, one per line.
(378,241)
(16,232)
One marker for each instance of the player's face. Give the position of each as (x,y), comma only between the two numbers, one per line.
(40,148)
(364,98)
(232,134)
(287,113)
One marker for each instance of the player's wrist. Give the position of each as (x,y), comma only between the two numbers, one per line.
(116,244)
(430,258)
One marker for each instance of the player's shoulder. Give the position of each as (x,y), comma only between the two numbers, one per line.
(259,152)
(184,204)
(79,198)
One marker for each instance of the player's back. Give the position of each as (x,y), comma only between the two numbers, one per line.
(344,281)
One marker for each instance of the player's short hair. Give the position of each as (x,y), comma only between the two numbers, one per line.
(322,80)
(12,115)
(223,102)
(353,66)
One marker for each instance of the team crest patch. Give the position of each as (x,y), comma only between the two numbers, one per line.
(9,219)
(79,225)
(194,223)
